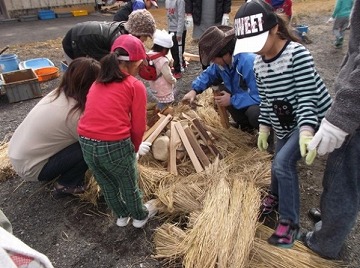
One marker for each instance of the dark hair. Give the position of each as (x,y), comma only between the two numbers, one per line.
(284,30)
(158,48)
(110,71)
(228,48)
(77,80)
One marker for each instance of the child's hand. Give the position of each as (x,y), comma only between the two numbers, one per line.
(262,141)
(224,99)
(189,97)
(305,138)
(144,148)
(188,21)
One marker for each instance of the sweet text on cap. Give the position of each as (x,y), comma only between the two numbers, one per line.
(249,25)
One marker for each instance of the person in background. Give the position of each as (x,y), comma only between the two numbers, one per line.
(163,87)
(45,145)
(201,14)
(125,11)
(15,253)
(294,99)
(175,11)
(282,7)
(111,131)
(239,93)
(339,135)
(95,38)
(340,16)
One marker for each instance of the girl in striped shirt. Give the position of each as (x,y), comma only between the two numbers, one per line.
(293,100)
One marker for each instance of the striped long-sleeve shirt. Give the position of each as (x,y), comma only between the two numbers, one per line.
(292,93)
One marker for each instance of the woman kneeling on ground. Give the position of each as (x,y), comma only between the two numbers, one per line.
(45,145)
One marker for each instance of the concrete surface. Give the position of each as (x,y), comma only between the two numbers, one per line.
(16,32)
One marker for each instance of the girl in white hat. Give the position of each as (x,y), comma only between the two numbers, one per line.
(164,85)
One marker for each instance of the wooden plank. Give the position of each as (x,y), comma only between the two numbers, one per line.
(151,130)
(195,161)
(206,138)
(197,148)
(221,110)
(158,130)
(190,56)
(175,142)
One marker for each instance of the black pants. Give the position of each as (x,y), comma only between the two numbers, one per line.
(68,164)
(177,52)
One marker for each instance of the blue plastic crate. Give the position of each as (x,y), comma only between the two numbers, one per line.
(46,14)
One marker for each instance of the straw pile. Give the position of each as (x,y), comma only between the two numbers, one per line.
(6,170)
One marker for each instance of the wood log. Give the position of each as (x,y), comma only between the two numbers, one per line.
(190,56)
(161,118)
(197,148)
(221,110)
(195,161)
(158,130)
(175,143)
(206,138)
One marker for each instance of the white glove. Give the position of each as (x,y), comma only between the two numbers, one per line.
(225,20)
(328,138)
(189,21)
(144,148)
(331,19)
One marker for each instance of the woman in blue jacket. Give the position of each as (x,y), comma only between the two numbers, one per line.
(239,93)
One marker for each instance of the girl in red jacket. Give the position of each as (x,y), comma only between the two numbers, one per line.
(111,131)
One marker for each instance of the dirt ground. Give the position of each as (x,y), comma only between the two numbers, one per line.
(77,234)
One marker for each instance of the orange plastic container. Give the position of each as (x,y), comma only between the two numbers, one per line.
(47,73)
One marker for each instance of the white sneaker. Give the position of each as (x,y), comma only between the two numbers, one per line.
(123,221)
(151,207)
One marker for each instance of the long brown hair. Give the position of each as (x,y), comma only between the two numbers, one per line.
(77,79)
(285,31)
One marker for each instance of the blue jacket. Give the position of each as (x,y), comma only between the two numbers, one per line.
(238,78)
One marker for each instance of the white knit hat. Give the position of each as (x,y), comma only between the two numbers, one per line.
(163,38)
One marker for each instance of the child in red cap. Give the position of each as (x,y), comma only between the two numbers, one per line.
(111,131)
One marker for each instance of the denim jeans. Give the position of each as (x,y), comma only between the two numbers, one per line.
(284,177)
(340,199)
(69,164)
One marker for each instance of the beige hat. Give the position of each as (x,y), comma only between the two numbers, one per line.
(213,40)
(141,23)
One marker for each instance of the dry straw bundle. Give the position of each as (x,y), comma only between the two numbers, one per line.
(169,240)
(6,170)
(264,255)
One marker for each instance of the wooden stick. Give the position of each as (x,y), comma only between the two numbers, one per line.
(175,142)
(206,138)
(195,161)
(224,117)
(197,148)
(158,130)
(155,126)
(191,56)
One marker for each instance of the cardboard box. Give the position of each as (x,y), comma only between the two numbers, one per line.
(21,85)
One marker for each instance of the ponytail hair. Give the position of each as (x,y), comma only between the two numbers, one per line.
(285,31)
(110,71)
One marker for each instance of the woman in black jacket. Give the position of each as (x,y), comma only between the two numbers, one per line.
(206,13)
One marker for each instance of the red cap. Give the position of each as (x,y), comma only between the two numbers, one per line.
(132,45)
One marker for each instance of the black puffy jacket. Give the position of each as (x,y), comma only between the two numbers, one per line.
(194,7)
(92,39)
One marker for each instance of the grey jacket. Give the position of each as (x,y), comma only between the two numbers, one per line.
(345,110)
